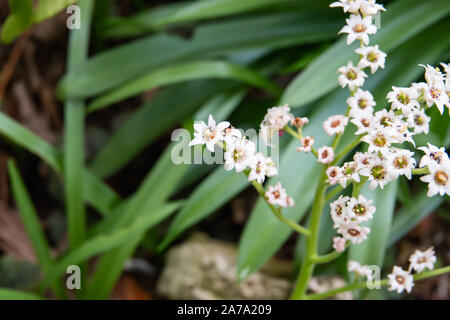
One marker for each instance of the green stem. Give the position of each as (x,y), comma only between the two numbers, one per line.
(362,285)
(421,171)
(311,242)
(329,257)
(298,135)
(333,193)
(277,212)
(346,150)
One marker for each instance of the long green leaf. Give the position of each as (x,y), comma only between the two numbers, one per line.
(30,218)
(20,19)
(102,242)
(114,67)
(184,72)
(96,193)
(10,294)
(402,21)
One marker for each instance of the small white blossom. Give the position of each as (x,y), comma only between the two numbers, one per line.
(258,168)
(325,155)
(361,209)
(379,140)
(274,120)
(359,28)
(335,124)
(350,172)
(400,280)
(348,5)
(420,260)
(370,7)
(435,92)
(377,172)
(433,155)
(401,162)
(299,122)
(371,57)
(404,99)
(364,122)
(307,143)
(277,196)
(351,76)
(339,211)
(209,134)
(438,179)
(239,155)
(339,244)
(353,232)
(361,102)
(354,266)
(419,121)
(334,175)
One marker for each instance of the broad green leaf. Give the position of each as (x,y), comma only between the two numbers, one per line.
(96,193)
(10,294)
(371,251)
(48,8)
(30,218)
(214,192)
(408,218)
(114,67)
(184,72)
(149,121)
(102,242)
(403,20)
(175,13)
(20,18)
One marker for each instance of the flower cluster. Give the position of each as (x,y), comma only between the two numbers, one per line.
(347,214)
(400,279)
(240,152)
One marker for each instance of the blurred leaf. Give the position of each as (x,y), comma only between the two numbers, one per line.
(9,294)
(371,250)
(409,217)
(30,218)
(101,243)
(113,67)
(20,18)
(212,193)
(184,72)
(98,194)
(403,20)
(48,8)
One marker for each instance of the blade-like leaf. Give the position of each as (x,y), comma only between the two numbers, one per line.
(10,294)
(184,72)
(96,193)
(403,20)
(20,19)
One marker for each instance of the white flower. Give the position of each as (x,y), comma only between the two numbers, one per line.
(361,209)
(258,168)
(299,122)
(433,155)
(339,211)
(386,119)
(377,172)
(400,280)
(353,232)
(325,155)
(404,99)
(370,7)
(209,134)
(239,155)
(359,28)
(271,168)
(419,121)
(335,124)
(351,76)
(307,143)
(349,172)
(420,260)
(433,75)
(277,117)
(401,162)
(277,196)
(371,57)
(439,179)
(435,92)
(378,140)
(348,5)
(339,244)
(334,175)
(361,102)
(359,269)
(364,122)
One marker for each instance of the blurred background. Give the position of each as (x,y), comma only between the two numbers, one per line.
(155,66)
